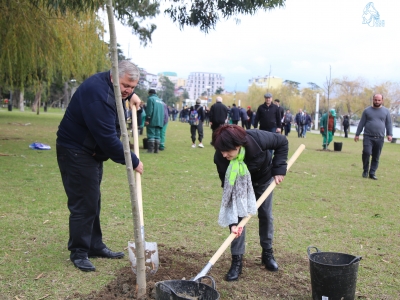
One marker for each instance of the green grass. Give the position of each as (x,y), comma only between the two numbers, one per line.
(323,202)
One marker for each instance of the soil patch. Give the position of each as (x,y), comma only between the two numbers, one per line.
(254,283)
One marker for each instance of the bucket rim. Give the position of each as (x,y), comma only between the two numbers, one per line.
(356,259)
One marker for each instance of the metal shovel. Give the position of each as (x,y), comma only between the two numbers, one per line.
(150,248)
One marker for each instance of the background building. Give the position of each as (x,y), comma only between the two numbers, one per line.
(268,82)
(172,76)
(201,83)
(147,80)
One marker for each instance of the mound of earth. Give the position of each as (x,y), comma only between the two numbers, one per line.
(177,264)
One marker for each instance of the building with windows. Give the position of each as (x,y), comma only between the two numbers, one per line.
(268,82)
(202,83)
(147,80)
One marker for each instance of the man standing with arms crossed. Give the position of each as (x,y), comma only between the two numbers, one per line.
(374,120)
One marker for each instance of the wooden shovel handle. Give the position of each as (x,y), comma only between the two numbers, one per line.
(138,176)
(260,201)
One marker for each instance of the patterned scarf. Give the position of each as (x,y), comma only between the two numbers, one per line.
(238,199)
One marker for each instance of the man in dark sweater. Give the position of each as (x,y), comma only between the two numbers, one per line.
(89,134)
(268,115)
(374,120)
(218,114)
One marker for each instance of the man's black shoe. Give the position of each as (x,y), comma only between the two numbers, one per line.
(106,253)
(84,265)
(365,174)
(372,176)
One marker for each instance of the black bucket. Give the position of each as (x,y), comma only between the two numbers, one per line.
(186,290)
(145,145)
(337,146)
(333,275)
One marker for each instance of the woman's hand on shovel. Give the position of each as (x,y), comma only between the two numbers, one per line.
(236,230)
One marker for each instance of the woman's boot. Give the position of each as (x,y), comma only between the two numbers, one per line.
(268,259)
(236,268)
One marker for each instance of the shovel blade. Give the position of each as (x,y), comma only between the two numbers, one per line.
(150,254)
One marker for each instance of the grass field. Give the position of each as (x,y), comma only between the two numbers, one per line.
(323,202)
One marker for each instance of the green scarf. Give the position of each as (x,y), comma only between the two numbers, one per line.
(238,199)
(236,167)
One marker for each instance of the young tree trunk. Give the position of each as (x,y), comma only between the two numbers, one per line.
(139,241)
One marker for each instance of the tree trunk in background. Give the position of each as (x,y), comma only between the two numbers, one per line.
(66,95)
(21,100)
(38,104)
(38,96)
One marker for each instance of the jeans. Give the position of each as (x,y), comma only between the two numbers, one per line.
(372,146)
(287,128)
(81,176)
(265,223)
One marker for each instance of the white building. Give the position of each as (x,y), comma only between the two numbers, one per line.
(199,83)
(148,80)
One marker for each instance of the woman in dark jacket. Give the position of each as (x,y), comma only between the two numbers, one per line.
(240,154)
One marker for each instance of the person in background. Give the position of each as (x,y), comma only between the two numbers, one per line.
(246,169)
(174,112)
(307,125)
(218,114)
(346,124)
(374,121)
(249,117)
(300,121)
(207,115)
(328,127)
(197,127)
(281,111)
(89,134)
(154,121)
(268,115)
(235,114)
(288,120)
(164,128)
(243,116)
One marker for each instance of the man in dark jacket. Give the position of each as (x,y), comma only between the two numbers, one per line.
(88,135)
(268,115)
(218,114)
(235,114)
(263,170)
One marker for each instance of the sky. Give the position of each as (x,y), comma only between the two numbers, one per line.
(299,42)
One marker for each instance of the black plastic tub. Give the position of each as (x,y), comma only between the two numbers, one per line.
(333,275)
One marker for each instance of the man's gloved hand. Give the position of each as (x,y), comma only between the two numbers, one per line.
(321,130)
